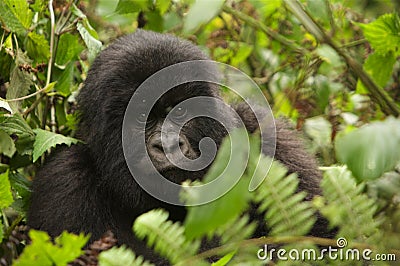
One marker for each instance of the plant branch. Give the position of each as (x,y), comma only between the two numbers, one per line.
(257,24)
(50,66)
(378,94)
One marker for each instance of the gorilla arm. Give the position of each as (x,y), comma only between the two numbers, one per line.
(66,196)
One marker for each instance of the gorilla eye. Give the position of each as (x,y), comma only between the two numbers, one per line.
(179,112)
(141,118)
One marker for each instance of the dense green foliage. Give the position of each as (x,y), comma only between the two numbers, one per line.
(331,66)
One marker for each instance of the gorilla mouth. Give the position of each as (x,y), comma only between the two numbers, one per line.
(175,174)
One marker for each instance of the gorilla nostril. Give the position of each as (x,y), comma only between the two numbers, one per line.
(158,147)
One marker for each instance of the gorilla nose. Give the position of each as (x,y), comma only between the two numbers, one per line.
(167,145)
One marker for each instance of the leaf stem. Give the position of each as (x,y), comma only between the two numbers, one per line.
(379,95)
(50,66)
(257,24)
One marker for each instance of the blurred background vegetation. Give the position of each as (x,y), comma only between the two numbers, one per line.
(330,66)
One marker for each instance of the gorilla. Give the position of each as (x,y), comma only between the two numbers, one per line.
(89,188)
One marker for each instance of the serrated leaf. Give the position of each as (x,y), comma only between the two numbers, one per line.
(117,256)
(167,237)
(38,47)
(21,184)
(371,150)
(379,67)
(20,81)
(196,15)
(348,207)
(384,33)
(6,197)
(43,252)
(16,125)
(45,140)
(7,146)
(16,15)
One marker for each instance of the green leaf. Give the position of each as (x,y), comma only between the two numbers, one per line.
(371,150)
(16,125)
(224,260)
(38,47)
(163,5)
(329,55)
(5,105)
(167,238)
(66,80)
(348,208)
(155,21)
(16,15)
(45,140)
(20,184)
(118,256)
(1,231)
(20,81)
(132,6)
(379,67)
(92,43)
(196,15)
(68,49)
(207,218)
(7,146)
(384,33)
(43,252)
(241,54)
(6,197)
(287,213)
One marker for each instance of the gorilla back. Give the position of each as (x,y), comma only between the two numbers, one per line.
(88,187)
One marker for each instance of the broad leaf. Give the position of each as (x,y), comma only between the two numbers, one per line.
(43,252)
(197,15)
(379,67)
(16,15)
(68,48)
(38,47)
(132,6)
(65,81)
(7,146)
(6,197)
(384,33)
(45,140)
(371,150)
(93,45)
(208,217)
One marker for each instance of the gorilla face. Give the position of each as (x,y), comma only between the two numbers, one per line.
(173,131)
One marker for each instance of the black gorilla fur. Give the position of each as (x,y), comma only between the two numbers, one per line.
(88,188)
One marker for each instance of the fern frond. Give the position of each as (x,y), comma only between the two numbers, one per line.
(166,237)
(348,207)
(236,230)
(117,256)
(287,213)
